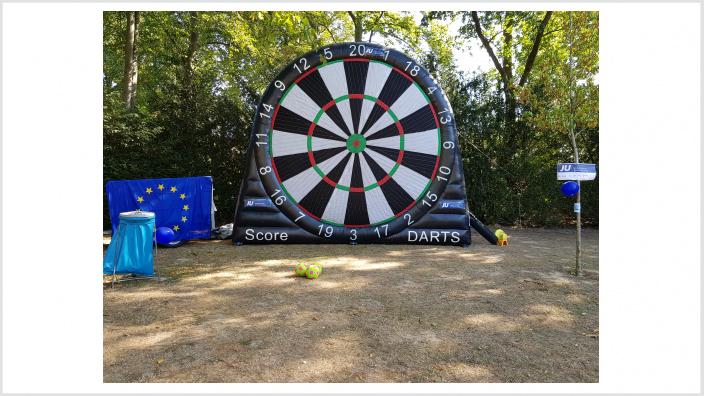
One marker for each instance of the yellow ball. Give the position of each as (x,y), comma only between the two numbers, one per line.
(320,267)
(499,233)
(313,272)
(301,269)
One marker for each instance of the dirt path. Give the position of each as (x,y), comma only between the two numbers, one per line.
(377,314)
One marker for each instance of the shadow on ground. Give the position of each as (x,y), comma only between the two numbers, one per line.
(377,314)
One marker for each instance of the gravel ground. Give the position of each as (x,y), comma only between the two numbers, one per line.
(377,314)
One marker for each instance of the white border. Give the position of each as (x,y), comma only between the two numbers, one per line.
(650,114)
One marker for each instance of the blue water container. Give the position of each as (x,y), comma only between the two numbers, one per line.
(131,248)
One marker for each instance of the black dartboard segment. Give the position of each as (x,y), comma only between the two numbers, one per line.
(354,142)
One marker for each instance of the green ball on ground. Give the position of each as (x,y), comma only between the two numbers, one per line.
(313,272)
(301,269)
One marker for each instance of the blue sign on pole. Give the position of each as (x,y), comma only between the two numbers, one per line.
(574,171)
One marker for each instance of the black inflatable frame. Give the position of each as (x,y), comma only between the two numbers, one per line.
(262,217)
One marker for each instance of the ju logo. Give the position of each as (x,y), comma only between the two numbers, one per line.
(258,203)
(576,171)
(452,204)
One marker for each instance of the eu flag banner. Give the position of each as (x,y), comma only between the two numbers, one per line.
(183,204)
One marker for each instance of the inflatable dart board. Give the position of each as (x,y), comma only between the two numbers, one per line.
(353,143)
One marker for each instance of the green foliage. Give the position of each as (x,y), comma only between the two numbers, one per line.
(201,75)
(510,169)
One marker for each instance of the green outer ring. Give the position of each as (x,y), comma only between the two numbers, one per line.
(322,174)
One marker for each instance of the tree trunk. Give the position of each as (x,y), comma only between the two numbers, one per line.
(511,112)
(578,201)
(534,50)
(193,42)
(188,88)
(376,23)
(507,50)
(508,69)
(357,22)
(131,66)
(573,138)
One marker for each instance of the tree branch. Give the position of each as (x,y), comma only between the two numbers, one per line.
(534,50)
(224,44)
(399,38)
(357,22)
(317,25)
(332,35)
(487,46)
(376,22)
(553,31)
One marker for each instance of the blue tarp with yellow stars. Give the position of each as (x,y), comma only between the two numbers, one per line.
(183,204)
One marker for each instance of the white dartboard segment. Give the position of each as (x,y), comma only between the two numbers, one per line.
(285,143)
(300,103)
(411,100)
(383,121)
(377,74)
(300,185)
(426,142)
(327,165)
(392,142)
(337,204)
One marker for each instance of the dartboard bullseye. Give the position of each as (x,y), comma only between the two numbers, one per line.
(354,142)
